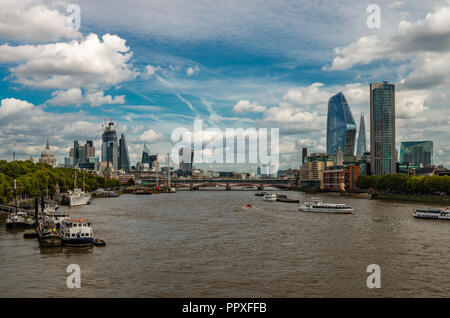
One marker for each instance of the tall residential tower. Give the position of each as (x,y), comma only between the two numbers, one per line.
(382,128)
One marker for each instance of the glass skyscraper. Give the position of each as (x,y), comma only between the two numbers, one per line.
(361,145)
(124,159)
(110,151)
(417,152)
(382,128)
(341,126)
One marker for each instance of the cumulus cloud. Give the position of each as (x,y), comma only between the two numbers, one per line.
(244,106)
(98,98)
(33,21)
(423,45)
(12,106)
(25,127)
(150,136)
(89,63)
(71,96)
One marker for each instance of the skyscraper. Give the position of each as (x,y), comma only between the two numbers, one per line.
(382,128)
(417,152)
(110,146)
(124,159)
(341,126)
(361,145)
(186,160)
(147,158)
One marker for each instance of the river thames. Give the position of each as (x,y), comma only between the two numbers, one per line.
(197,244)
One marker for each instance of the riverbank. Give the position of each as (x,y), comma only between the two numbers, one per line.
(412,198)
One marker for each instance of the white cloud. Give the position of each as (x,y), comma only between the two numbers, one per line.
(89,63)
(192,70)
(244,106)
(98,98)
(12,106)
(71,96)
(150,70)
(410,104)
(33,21)
(150,136)
(423,41)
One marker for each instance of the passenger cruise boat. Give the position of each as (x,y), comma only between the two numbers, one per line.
(318,206)
(77,232)
(271,197)
(432,213)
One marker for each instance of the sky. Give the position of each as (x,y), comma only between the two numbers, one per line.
(153,66)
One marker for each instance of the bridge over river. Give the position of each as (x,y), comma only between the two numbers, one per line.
(228,184)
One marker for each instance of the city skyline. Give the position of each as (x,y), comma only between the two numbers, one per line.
(228,79)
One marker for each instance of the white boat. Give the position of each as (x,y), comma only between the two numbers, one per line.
(432,213)
(19,220)
(271,197)
(78,197)
(318,206)
(77,232)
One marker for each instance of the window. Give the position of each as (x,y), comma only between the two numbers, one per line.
(73,235)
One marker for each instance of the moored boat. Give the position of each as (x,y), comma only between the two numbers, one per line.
(77,232)
(271,197)
(319,206)
(432,213)
(19,220)
(48,234)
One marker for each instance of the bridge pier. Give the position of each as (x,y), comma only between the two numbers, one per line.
(260,187)
(228,187)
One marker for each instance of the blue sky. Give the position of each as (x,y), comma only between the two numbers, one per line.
(153,66)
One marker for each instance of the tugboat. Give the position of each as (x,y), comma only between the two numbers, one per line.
(318,206)
(432,213)
(77,232)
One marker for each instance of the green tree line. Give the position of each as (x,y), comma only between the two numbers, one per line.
(401,183)
(33,179)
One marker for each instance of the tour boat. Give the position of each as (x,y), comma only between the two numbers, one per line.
(19,220)
(432,213)
(77,232)
(318,206)
(271,197)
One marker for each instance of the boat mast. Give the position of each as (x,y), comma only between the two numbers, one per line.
(168,171)
(15,195)
(75,182)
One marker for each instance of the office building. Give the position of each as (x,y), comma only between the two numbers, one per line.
(124,159)
(110,149)
(361,144)
(341,126)
(417,153)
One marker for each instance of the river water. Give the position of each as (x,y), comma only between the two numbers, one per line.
(196,244)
